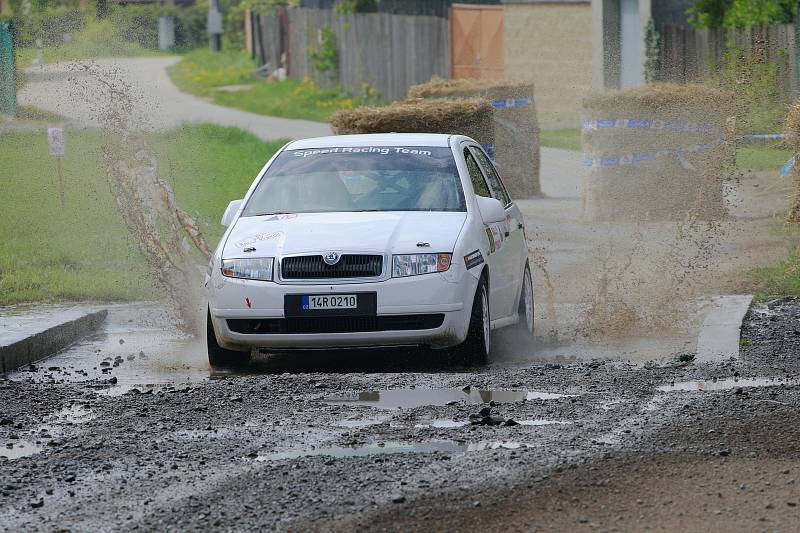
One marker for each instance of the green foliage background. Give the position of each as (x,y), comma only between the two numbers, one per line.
(741,13)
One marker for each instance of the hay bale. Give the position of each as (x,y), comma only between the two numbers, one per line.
(516,126)
(472,117)
(657,152)
(793,137)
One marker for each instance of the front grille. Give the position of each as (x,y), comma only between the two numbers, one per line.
(335,324)
(349,266)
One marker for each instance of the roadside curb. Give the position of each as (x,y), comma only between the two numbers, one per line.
(720,333)
(49,341)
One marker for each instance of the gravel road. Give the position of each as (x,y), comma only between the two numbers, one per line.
(81,91)
(130,430)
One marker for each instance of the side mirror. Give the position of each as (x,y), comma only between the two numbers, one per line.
(491,209)
(230,212)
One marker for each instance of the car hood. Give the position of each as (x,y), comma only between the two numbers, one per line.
(384,232)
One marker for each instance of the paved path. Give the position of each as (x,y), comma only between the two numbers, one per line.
(81,92)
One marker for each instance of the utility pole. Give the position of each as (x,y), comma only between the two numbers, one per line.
(102,9)
(214,25)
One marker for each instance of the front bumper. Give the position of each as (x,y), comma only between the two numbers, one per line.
(418,295)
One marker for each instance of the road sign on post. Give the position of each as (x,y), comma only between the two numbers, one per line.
(55,145)
(8,95)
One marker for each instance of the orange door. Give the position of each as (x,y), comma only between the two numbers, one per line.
(476,41)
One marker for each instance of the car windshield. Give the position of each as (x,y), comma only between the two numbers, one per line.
(351,179)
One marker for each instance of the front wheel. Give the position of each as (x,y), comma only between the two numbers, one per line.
(525,311)
(219,357)
(478,343)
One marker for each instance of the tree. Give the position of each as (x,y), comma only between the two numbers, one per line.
(741,13)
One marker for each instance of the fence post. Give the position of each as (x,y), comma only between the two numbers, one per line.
(8,97)
(796,65)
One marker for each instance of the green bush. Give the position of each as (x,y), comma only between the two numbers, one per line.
(741,13)
(50,26)
(760,105)
(325,56)
(139,24)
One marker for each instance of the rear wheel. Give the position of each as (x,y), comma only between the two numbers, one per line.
(219,357)
(525,311)
(478,343)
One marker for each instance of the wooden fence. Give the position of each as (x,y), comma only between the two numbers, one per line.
(385,51)
(688,54)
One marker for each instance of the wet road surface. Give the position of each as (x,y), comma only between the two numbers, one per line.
(132,430)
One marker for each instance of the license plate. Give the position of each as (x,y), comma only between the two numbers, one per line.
(329,301)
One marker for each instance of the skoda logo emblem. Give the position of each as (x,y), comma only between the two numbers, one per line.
(331,258)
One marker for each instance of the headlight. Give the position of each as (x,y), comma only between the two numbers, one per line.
(416,264)
(259,268)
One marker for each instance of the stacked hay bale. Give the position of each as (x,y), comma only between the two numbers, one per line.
(471,117)
(657,152)
(793,136)
(516,127)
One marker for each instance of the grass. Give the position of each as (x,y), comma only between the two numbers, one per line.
(97,39)
(756,155)
(566,139)
(35,114)
(782,279)
(85,251)
(761,157)
(202,72)
(208,166)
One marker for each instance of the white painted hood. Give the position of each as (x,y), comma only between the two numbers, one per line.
(384,232)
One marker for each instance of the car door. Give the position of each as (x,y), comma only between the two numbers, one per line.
(497,290)
(514,245)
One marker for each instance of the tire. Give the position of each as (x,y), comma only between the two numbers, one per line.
(477,346)
(219,357)
(526,307)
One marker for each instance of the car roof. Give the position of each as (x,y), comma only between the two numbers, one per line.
(374,139)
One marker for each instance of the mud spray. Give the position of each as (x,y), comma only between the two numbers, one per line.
(168,237)
(663,218)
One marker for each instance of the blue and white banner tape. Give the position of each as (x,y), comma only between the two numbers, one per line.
(647,124)
(787,167)
(763,136)
(489,149)
(511,102)
(641,157)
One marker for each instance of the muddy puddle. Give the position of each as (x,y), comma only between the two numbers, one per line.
(411,398)
(447,424)
(144,388)
(74,414)
(16,449)
(391,448)
(52,428)
(727,384)
(439,423)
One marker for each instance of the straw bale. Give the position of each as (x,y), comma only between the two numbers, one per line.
(516,127)
(664,101)
(793,136)
(441,88)
(472,117)
(674,184)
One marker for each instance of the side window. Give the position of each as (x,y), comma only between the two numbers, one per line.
(478,182)
(499,191)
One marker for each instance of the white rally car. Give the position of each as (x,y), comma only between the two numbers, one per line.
(370,241)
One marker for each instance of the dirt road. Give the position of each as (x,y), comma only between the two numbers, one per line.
(130,430)
(80,91)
